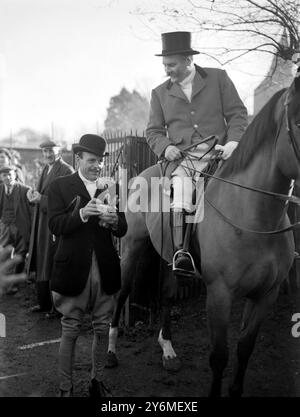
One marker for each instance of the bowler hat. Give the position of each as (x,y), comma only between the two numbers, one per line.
(176,43)
(49,144)
(7,168)
(91,143)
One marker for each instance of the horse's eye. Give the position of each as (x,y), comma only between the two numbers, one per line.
(298,125)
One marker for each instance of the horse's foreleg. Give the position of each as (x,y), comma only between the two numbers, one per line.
(169,358)
(254,313)
(168,291)
(218,311)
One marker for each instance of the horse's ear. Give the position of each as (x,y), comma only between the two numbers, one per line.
(296,60)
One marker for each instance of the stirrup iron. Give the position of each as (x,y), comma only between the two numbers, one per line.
(180,270)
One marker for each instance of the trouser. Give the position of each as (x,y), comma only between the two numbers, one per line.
(44,295)
(100,305)
(186,175)
(184,180)
(10,235)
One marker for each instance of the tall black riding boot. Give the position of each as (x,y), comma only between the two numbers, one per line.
(182,260)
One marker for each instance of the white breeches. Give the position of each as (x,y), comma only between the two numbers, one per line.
(185,176)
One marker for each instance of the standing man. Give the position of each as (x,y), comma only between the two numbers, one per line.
(86,271)
(42,244)
(15,216)
(191,105)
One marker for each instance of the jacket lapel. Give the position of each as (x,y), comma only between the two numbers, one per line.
(42,179)
(78,185)
(16,196)
(198,84)
(176,91)
(52,175)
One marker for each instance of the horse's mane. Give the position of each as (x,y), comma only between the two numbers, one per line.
(261,130)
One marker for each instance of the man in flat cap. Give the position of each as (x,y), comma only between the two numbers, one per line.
(42,244)
(193,104)
(15,215)
(86,271)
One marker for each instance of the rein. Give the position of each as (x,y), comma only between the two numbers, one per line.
(286,198)
(291,199)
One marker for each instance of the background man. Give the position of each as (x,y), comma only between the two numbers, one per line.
(6,158)
(42,245)
(86,271)
(192,104)
(15,215)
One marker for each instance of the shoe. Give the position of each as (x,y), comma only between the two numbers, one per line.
(183,263)
(68,393)
(97,389)
(111,360)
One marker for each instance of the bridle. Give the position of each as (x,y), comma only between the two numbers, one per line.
(290,130)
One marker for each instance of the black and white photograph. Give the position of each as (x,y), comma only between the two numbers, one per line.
(149,201)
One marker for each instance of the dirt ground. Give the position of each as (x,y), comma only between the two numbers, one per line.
(32,371)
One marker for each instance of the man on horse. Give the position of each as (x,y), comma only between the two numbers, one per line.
(191,105)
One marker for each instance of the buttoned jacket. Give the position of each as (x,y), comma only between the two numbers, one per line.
(78,240)
(215,109)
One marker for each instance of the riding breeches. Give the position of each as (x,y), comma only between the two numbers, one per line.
(100,306)
(185,177)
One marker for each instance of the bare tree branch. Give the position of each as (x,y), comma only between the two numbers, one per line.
(272,25)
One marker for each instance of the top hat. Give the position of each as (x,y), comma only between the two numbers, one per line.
(91,143)
(7,168)
(176,43)
(49,144)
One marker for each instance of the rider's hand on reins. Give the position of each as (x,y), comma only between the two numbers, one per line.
(226,149)
(172,153)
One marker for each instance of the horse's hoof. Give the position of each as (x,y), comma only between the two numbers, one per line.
(111,360)
(171,364)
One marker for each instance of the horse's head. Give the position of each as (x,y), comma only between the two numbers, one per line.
(288,140)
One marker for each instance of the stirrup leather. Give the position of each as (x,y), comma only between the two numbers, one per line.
(180,270)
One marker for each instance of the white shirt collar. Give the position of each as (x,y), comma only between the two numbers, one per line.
(85,180)
(190,78)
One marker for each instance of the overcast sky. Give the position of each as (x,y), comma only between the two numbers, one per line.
(62,60)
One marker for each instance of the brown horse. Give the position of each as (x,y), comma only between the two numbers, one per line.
(236,246)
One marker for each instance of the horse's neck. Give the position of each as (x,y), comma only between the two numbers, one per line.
(253,206)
